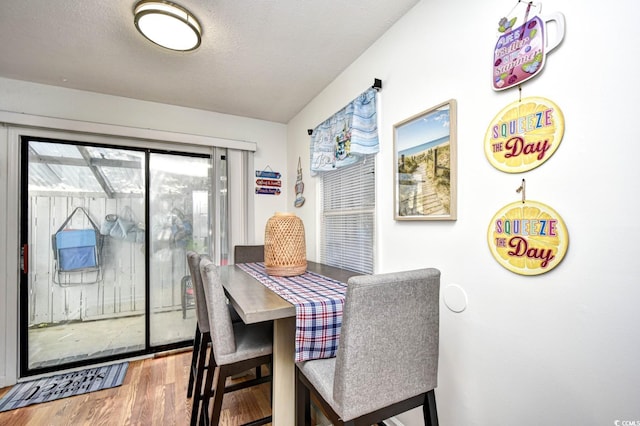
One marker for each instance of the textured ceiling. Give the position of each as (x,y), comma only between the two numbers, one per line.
(263,59)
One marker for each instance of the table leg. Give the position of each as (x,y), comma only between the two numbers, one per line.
(284,331)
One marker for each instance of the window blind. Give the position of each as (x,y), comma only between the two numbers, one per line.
(348,216)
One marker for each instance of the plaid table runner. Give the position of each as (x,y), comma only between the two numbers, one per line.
(318,301)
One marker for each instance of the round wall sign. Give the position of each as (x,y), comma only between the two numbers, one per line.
(528,238)
(524,135)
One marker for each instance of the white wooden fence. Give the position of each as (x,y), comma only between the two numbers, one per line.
(121,290)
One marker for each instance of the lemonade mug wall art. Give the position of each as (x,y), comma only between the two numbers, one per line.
(520,51)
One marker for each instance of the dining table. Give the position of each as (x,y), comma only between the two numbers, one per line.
(256,303)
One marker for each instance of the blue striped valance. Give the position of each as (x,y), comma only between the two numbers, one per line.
(347,136)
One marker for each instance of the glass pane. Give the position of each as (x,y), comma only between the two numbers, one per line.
(180,188)
(85,296)
(85,292)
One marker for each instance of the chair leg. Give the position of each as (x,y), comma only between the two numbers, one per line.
(270,367)
(208,391)
(303,402)
(194,358)
(218,390)
(429,409)
(218,394)
(202,367)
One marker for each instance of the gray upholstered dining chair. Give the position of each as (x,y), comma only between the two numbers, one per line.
(236,347)
(201,339)
(248,253)
(387,359)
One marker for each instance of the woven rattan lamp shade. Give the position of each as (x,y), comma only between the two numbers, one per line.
(285,251)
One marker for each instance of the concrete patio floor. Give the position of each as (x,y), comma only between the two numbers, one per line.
(63,343)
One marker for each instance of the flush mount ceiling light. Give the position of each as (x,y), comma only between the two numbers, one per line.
(168,25)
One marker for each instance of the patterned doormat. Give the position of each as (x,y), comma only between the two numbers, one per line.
(64,385)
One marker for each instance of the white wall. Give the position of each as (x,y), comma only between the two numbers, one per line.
(58,102)
(561,348)
(40,100)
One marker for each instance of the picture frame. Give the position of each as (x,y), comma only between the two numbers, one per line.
(425,164)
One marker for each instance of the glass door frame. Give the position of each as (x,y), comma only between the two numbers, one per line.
(23,309)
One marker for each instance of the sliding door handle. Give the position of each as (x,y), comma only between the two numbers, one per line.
(24,258)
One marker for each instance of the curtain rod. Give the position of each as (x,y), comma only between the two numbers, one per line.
(377,86)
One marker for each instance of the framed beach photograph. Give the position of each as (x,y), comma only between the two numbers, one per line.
(425,160)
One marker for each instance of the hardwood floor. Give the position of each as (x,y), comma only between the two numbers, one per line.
(154,392)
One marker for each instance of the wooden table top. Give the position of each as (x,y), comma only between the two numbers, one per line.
(256,303)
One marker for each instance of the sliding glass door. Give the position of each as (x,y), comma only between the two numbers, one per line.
(180,188)
(105,230)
